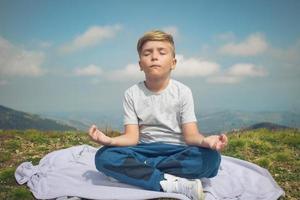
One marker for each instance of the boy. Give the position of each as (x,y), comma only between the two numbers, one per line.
(161,148)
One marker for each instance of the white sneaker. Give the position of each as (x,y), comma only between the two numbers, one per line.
(190,188)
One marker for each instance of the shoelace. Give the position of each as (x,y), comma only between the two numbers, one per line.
(186,189)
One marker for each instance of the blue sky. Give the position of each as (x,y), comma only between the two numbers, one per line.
(81,55)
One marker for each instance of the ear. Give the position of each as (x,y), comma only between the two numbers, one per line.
(141,68)
(174,61)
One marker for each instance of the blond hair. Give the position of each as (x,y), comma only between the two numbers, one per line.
(155,35)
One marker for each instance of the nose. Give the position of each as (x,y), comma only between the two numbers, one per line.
(154,55)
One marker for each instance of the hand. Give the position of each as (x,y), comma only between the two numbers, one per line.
(99,137)
(216,142)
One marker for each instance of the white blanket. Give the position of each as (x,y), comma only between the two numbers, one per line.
(71,172)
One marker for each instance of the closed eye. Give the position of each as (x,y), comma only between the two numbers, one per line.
(163,51)
(146,53)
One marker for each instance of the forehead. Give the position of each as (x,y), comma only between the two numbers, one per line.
(156,45)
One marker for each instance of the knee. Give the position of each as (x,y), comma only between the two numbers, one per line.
(103,158)
(209,156)
(214,162)
(215,158)
(208,162)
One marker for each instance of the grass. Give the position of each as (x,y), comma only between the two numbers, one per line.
(277,151)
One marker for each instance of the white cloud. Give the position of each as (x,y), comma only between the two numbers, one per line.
(253,45)
(130,72)
(16,61)
(193,67)
(237,73)
(246,69)
(91,70)
(224,79)
(173,30)
(91,37)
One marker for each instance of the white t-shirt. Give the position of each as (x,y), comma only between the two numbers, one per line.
(159,115)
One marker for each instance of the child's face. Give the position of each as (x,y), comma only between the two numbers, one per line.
(156,59)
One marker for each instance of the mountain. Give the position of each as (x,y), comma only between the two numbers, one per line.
(83,120)
(223,121)
(266,125)
(81,125)
(13,119)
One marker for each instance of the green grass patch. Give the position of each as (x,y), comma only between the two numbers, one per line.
(263,162)
(35,137)
(283,156)
(7,176)
(5,156)
(17,193)
(12,144)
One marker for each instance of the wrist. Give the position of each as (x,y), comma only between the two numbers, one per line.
(204,142)
(111,142)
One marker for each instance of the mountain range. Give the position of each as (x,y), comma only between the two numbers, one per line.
(266,125)
(13,119)
(227,120)
(208,122)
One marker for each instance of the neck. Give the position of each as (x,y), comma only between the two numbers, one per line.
(157,85)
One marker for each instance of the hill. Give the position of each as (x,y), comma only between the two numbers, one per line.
(79,125)
(278,151)
(266,125)
(13,119)
(83,120)
(215,122)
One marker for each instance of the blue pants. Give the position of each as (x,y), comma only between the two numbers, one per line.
(144,165)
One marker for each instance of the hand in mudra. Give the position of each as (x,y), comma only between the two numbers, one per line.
(216,142)
(99,136)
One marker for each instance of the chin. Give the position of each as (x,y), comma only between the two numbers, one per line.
(155,76)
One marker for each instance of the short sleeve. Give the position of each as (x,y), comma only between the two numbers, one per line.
(130,116)
(187,107)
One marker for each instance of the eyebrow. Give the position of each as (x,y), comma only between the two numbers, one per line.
(151,49)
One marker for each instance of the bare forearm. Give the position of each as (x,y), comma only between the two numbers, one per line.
(215,142)
(124,140)
(129,138)
(196,139)
(192,136)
